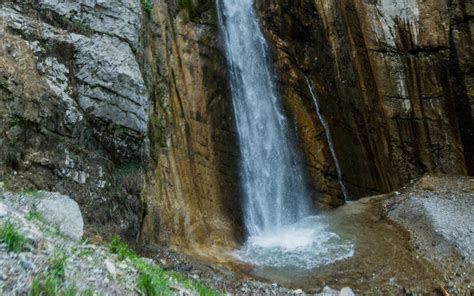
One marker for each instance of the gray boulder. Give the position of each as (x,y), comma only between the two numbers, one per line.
(63,213)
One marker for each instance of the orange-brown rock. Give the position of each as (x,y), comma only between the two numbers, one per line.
(192,191)
(394,79)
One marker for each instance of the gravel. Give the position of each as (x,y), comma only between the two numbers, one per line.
(438,212)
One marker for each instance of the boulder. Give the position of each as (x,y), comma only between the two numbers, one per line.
(63,213)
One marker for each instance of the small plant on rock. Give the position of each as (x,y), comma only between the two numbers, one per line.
(57,263)
(33,214)
(9,235)
(4,84)
(34,193)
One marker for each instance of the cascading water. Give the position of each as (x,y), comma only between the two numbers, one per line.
(273,182)
(276,202)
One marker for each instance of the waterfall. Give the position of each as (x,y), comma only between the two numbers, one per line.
(274,189)
(276,202)
(327,131)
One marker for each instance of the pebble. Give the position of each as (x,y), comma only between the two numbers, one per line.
(110,267)
(3,210)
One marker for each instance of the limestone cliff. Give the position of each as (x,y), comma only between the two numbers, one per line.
(95,93)
(73,105)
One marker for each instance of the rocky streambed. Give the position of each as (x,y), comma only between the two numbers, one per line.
(49,256)
(418,240)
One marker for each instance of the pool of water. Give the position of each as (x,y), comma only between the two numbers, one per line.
(306,244)
(353,246)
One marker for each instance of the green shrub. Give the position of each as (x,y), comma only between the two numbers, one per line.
(147,6)
(51,286)
(152,285)
(120,248)
(46,284)
(9,235)
(35,288)
(70,291)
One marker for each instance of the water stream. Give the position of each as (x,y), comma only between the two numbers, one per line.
(277,208)
(327,132)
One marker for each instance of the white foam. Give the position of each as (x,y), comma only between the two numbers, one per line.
(306,244)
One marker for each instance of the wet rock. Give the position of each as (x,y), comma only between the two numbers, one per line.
(396,47)
(62,212)
(184,267)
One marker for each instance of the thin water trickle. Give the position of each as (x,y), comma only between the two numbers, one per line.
(277,208)
(327,132)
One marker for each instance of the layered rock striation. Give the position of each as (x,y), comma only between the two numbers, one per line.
(94,94)
(394,79)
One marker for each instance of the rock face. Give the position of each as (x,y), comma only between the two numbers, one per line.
(193,190)
(394,79)
(73,104)
(93,91)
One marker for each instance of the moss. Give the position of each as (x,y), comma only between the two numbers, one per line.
(4,84)
(194,11)
(186,5)
(158,131)
(34,193)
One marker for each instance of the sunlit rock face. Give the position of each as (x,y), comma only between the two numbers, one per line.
(192,192)
(394,80)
